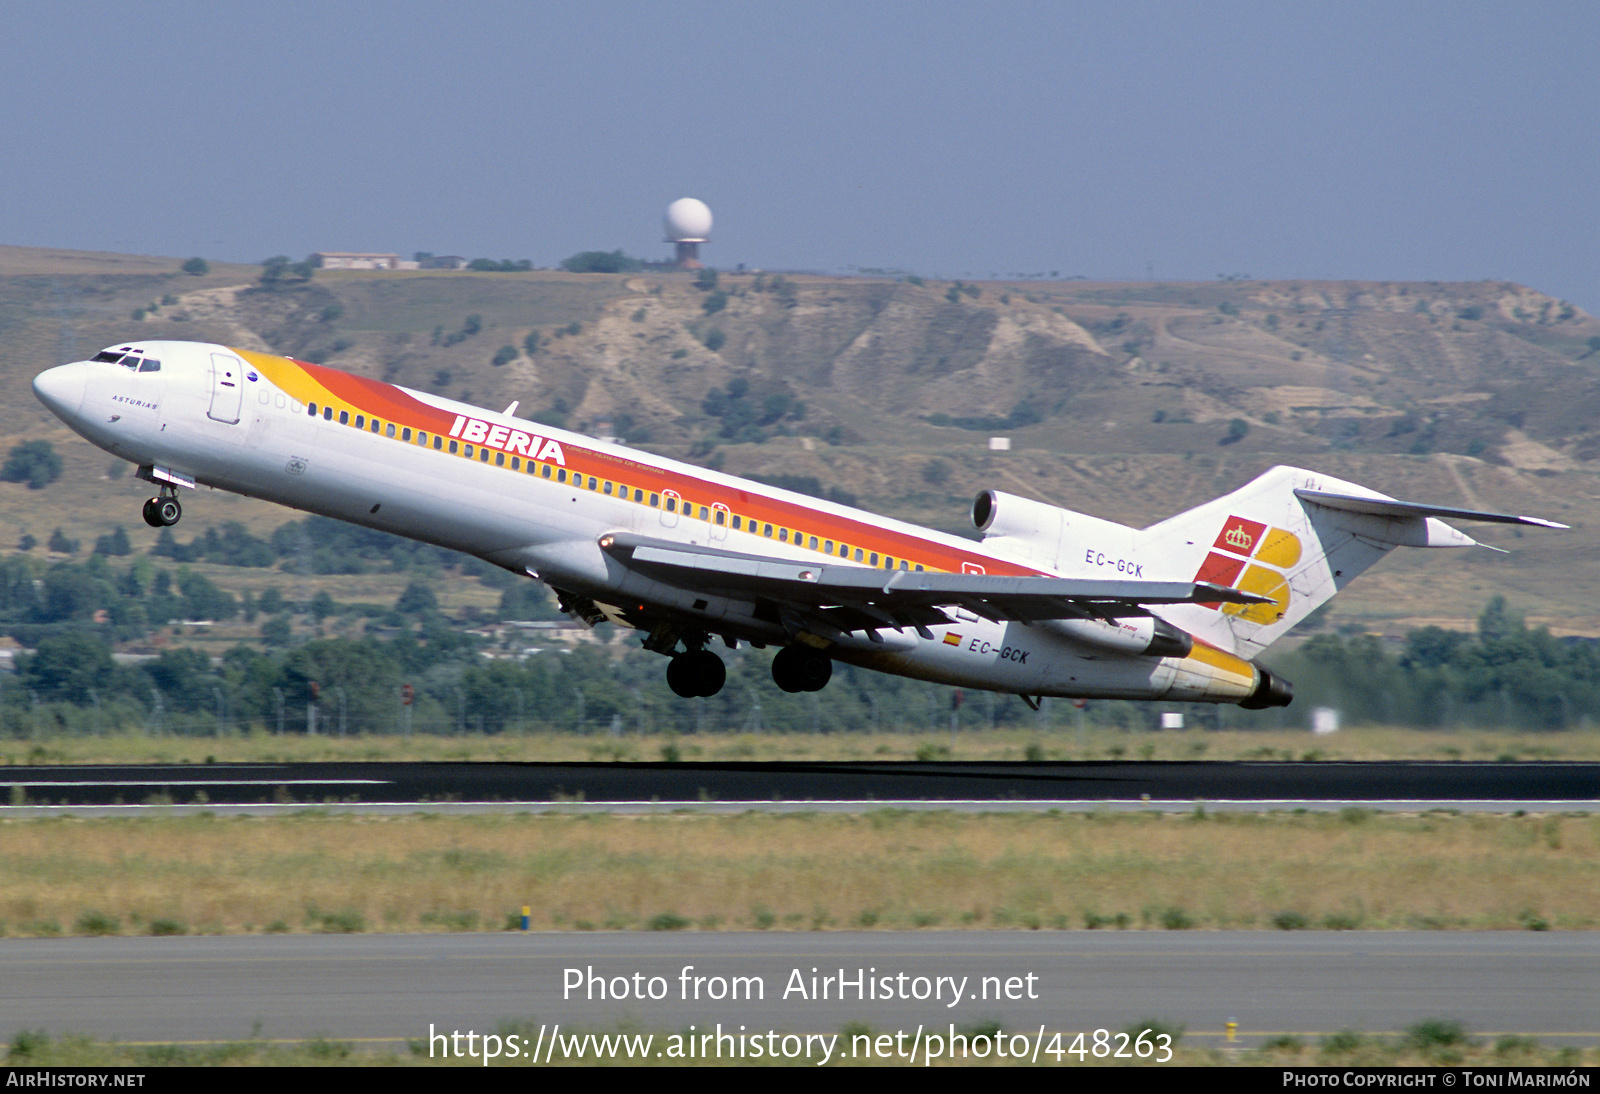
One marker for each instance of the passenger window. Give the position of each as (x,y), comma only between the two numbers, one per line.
(672,505)
(783,535)
(375,425)
(327,413)
(874,558)
(388,430)
(311,408)
(516,463)
(594,483)
(736,521)
(814,544)
(483,455)
(722,518)
(453,448)
(655,501)
(638,495)
(561,476)
(361,421)
(344,417)
(438,442)
(466,449)
(858,557)
(608,490)
(499,458)
(705,514)
(766,530)
(546,472)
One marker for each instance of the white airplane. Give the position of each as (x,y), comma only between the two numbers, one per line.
(1050,603)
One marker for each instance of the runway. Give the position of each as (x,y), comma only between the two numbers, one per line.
(384,990)
(1535,787)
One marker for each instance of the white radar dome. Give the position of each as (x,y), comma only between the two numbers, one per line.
(688,221)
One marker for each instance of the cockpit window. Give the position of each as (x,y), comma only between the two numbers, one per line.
(129,358)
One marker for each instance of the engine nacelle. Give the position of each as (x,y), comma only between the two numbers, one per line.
(1141,635)
(1047,534)
(1271,691)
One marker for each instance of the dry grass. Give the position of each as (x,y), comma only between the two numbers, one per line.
(1361,743)
(1345,1049)
(314,872)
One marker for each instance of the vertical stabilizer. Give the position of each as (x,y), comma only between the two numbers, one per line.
(1274,538)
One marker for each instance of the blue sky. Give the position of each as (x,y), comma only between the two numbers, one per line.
(1418,141)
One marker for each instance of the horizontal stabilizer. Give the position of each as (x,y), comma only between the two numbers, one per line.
(1388,507)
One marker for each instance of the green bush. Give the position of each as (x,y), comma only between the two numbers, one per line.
(32,462)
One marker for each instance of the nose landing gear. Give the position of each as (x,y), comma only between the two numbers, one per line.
(163,511)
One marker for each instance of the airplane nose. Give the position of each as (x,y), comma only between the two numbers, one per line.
(61,388)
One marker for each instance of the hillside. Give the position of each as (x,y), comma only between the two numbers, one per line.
(1126,400)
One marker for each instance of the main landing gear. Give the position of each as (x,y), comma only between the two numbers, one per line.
(696,673)
(163,511)
(801,668)
(701,673)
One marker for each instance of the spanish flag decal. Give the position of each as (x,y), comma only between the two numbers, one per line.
(1239,543)
(951,638)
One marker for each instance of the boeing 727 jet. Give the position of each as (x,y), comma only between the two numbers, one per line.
(1049,603)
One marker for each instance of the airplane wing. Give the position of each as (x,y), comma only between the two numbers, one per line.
(849,598)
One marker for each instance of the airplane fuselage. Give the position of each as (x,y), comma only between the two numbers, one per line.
(684,553)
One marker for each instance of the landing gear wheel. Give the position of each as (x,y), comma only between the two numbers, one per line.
(151,516)
(698,673)
(801,668)
(168,511)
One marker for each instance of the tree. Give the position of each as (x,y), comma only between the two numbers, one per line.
(66,666)
(32,462)
(275,631)
(601,262)
(504,356)
(197,267)
(114,544)
(417,599)
(61,544)
(322,605)
(280,270)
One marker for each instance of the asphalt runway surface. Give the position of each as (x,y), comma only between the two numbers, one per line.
(382,991)
(1533,786)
